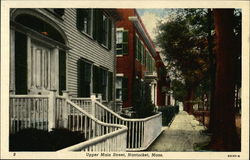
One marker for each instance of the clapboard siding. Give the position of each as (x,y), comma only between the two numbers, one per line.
(83,46)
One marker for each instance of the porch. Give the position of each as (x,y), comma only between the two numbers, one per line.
(103,129)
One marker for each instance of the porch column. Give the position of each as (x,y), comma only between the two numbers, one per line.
(51,110)
(55,69)
(12,61)
(64,109)
(30,68)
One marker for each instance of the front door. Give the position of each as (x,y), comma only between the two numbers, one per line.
(41,77)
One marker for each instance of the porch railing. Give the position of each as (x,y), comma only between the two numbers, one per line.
(29,111)
(100,136)
(50,111)
(141,132)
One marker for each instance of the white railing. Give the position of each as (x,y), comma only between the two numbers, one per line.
(50,111)
(141,132)
(100,136)
(84,103)
(29,111)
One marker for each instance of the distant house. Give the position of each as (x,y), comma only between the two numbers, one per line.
(63,49)
(137,60)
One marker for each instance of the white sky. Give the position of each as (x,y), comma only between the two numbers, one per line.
(150,18)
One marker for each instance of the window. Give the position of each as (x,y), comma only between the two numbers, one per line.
(84,20)
(121,88)
(118,86)
(102,28)
(149,62)
(105,30)
(122,42)
(139,50)
(104,84)
(101,82)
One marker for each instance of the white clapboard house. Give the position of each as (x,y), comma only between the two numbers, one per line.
(62,67)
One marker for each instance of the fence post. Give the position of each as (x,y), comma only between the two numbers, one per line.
(51,110)
(64,109)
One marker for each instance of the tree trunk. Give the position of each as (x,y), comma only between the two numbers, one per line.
(212,65)
(224,136)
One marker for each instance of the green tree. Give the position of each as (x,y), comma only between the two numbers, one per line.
(184,44)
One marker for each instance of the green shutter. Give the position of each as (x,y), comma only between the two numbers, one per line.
(136,48)
(124,89)
(80,79)
(110,86)
(110,34)
(125,42)
(79,19)
(95,79)
(62,71)
(98,25)
(139,50)
(21,63)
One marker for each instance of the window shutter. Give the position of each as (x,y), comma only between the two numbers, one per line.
(79,19)
(125,42)
(124,89)
(98,25)
(95,79)
(110,35)
(136,47)
(62,71)
(110,86)
(80,79)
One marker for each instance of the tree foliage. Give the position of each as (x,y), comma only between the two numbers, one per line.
(183,40)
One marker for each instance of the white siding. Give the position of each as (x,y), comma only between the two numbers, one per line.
(83,46)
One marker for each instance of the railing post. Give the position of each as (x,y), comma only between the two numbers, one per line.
(51,110)
(99,96)
(64,109)
(93,100)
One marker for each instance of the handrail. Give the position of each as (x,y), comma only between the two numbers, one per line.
(127,119)
(103,133)
(29,96)
(79,146)
(141,131)
(93,118)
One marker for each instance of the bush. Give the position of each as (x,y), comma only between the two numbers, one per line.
(39,140)
(168,113)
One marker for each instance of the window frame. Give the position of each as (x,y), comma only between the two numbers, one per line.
(91,19)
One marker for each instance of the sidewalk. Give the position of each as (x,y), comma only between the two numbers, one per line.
(182,134)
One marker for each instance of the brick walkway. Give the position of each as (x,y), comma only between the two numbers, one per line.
(182,134)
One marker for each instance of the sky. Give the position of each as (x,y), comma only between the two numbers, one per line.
(150,18)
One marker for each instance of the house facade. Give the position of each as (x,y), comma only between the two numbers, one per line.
(63,50)
(137,60)
(62,74)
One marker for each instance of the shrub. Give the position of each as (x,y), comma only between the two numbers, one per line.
(168,113)
(39,140)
